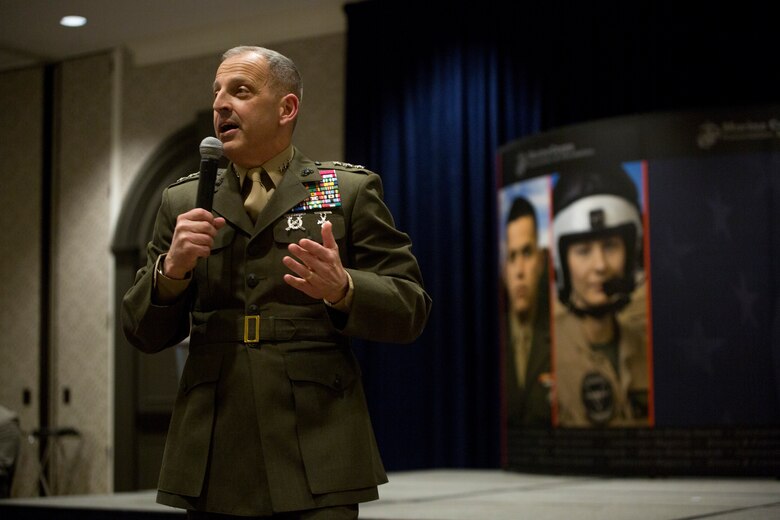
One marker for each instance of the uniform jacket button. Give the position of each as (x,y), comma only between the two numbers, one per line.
(253,309)
(252,280)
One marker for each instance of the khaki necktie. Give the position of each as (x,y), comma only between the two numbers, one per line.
(261,190)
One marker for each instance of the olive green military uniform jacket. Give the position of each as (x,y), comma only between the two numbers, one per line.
(529,405)
(270,414)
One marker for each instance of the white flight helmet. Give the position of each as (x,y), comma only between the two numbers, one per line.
(592,205)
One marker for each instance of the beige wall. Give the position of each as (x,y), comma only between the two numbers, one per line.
(21,127)
(81,236)
(111,116)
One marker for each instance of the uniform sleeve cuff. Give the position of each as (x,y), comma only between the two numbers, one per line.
(167,290)
(344,304)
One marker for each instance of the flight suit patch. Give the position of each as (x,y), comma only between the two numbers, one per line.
(598,398)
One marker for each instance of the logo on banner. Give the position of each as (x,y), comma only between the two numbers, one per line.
(553,154)
(711,133)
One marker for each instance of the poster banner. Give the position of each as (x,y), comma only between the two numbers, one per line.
(640,302)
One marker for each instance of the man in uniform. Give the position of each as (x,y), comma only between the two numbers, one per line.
(527,362)
(297,257)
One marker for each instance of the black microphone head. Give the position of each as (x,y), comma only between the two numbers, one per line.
(211,148)
(618,285)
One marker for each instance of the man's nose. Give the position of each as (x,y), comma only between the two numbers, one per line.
(520,267)
(220,102)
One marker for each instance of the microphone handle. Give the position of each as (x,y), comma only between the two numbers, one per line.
(208,175)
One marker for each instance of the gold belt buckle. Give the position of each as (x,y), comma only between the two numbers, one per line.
(256,336)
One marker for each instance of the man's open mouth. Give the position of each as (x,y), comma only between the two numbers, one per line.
(227,126)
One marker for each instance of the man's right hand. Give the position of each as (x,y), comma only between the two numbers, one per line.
(192,239)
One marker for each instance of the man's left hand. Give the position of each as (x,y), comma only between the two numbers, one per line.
(318,266)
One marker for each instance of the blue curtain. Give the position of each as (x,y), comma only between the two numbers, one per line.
(432,97)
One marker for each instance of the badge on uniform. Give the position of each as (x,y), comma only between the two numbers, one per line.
(295,221)
(598,398)
(322,194)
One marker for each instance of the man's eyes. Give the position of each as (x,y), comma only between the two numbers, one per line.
(523,253)
(238,91)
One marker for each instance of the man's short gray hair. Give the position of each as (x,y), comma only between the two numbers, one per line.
(283,73)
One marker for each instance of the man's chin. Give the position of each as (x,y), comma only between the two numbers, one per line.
(522,313)
(231,150)
(521,304)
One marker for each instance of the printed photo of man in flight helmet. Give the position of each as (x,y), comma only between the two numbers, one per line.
(600,364)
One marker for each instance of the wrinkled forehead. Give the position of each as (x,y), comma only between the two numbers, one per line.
(247,67)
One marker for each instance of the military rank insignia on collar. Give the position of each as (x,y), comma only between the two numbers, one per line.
(322,194)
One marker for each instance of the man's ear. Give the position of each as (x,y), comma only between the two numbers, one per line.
(288,109)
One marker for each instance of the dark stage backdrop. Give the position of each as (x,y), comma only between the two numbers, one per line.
(432,97)
(698,385)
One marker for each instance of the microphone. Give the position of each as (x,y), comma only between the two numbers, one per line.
(210,153)
(617,287)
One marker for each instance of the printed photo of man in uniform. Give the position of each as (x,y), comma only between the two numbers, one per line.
(600,361)
(527,353)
